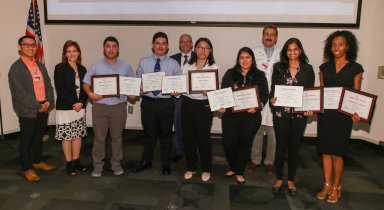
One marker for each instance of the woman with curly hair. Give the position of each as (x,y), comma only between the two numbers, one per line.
(334,128)
(292,70)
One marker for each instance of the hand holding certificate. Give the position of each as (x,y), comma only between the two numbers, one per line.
(130,86)
(289,96)
(171,84)
(246,98)
(152,81)
(222,98)
(105,85)
(355,101)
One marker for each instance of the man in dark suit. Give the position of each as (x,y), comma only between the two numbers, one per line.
(183,57)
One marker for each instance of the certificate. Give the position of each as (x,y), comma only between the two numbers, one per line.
(172,84)
(332,97)
(105,85)
(152,81)
(203,80)
(222,98)
(289,96)
(355,101)
(312,101)
(130,86)
(246,98)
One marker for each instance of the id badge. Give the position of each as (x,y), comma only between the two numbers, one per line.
(36,78)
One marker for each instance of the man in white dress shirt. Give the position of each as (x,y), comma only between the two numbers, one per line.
(266,56)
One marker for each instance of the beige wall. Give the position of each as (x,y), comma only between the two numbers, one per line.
(135,42)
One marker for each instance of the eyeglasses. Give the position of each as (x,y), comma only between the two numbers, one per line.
(26,45)
(203,48)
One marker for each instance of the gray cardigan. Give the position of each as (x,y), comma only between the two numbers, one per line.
(21,86)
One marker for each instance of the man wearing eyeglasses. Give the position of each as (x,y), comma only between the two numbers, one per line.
(32,98)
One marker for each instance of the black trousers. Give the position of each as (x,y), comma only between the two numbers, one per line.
(157,120)
(197,123)
(289,133)
(31,134)
(239,130)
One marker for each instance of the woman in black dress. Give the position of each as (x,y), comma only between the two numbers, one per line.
(334,128)
(239,128)
(292,70)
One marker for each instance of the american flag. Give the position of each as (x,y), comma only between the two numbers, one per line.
(34,30)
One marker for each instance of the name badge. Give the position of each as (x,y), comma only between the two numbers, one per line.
(36,78)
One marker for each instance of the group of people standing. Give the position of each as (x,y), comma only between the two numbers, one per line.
(243,132)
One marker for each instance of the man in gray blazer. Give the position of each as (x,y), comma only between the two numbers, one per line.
(32,98)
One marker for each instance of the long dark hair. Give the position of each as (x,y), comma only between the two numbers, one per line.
(250,52)
(253,72)
(352,45)
(211,59)
(283,54)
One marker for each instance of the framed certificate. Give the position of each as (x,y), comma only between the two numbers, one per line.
(289,96)
(105,85)
(246,98)
(312,101)
(130,86)
(172,84)
(222,98)
(203,80)
(355,101)
(152,81)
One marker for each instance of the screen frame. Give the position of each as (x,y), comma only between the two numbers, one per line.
(356,24)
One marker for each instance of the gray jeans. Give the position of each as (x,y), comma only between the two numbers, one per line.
(257,146)
(104,117)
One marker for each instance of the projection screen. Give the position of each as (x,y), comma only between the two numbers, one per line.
(342,13)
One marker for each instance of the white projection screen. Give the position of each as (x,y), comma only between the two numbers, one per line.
(320,13)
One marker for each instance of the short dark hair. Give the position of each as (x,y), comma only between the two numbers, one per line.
(352,44)
(111,39)
(25,37)
(159,35)
(272,27)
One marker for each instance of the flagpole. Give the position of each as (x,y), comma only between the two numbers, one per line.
(34,17)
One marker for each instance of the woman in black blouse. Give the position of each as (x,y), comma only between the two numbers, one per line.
(293,70)
(240,128)
(70,105)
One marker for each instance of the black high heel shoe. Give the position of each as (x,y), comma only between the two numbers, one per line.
(70,169)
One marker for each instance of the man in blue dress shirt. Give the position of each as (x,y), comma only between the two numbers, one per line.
(157,109)
(108,113)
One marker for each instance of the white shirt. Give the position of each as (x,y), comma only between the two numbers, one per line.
(266,65)
(188,67)
(183,58)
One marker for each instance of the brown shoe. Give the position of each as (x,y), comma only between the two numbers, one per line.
(43,166)
(269,168)
(31,176)
(252,167)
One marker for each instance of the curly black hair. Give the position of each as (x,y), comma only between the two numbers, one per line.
(352,45)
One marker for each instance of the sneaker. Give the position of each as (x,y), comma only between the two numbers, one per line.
(118,170)
(96,173)
(189,174)
(43,166)
(205,176)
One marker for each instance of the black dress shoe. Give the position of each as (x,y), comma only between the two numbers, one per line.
(142,165)
(166,169)
(293,191)
(177,158)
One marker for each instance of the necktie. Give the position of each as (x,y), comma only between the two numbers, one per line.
(185,59)
(156,69)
